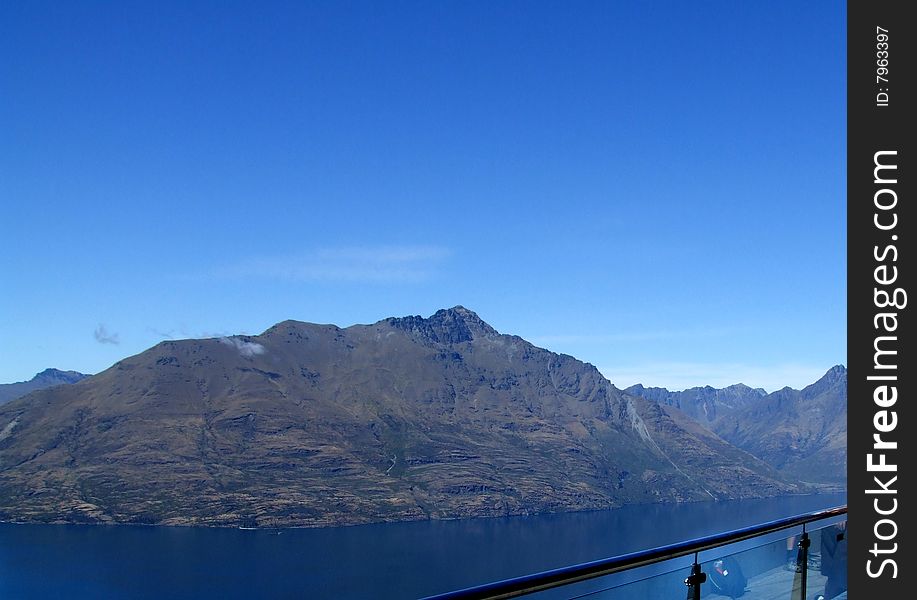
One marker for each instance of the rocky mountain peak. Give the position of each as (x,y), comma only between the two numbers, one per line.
(46,378)
(447,326)
(743,390)
(836,373)
(835,377)
(58,375)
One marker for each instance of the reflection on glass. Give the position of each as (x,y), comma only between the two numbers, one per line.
(665,585)
(762,572)
(831,542)
(797,565)
(783,569)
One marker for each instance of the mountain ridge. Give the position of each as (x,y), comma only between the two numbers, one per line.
(43,379)
(308,425)
(802,433)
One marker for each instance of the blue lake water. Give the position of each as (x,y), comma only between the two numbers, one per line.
(400,560)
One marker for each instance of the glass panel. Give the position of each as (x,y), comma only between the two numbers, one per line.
(828,568)
(625,586)
(770,567)
(764,572)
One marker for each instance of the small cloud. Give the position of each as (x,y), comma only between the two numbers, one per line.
(364,264)
(182,332)
(166,335)
(103,336)
(246,349)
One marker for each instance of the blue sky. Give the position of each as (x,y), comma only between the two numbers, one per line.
(655,188)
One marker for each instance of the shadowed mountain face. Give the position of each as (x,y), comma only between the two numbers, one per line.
(802,433)
(47,378)
(408,418)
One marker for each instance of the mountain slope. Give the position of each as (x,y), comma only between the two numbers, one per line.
(47,378)
(408,418)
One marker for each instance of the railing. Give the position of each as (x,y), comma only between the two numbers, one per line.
(777,566)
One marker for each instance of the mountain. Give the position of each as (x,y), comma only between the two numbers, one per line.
(306,425)
(801,433)
(47,378)
(703,404)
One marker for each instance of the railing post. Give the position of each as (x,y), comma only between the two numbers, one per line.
(802,567)
(694,580)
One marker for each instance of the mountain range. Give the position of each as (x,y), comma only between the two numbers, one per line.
(801,433)
(47,378)
(407,418)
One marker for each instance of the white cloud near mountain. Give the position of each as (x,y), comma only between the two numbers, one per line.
(246,349)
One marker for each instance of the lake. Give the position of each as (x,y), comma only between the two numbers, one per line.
(399,560)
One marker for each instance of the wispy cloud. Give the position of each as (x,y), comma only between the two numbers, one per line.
(103,336)
(678,376)
(361,264)
(183,332)
(246,349)
(166,335)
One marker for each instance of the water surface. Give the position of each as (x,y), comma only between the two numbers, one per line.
(398,560)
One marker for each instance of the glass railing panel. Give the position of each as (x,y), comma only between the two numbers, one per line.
(827,575)
(767,570)
(800,562)
(667,582)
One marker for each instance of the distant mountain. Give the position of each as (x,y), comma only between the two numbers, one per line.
(47,378)
(802,433)
(704,404)
(305,424)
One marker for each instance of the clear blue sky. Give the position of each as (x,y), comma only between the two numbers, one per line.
(656,188)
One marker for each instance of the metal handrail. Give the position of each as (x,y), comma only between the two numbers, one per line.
(527,584)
